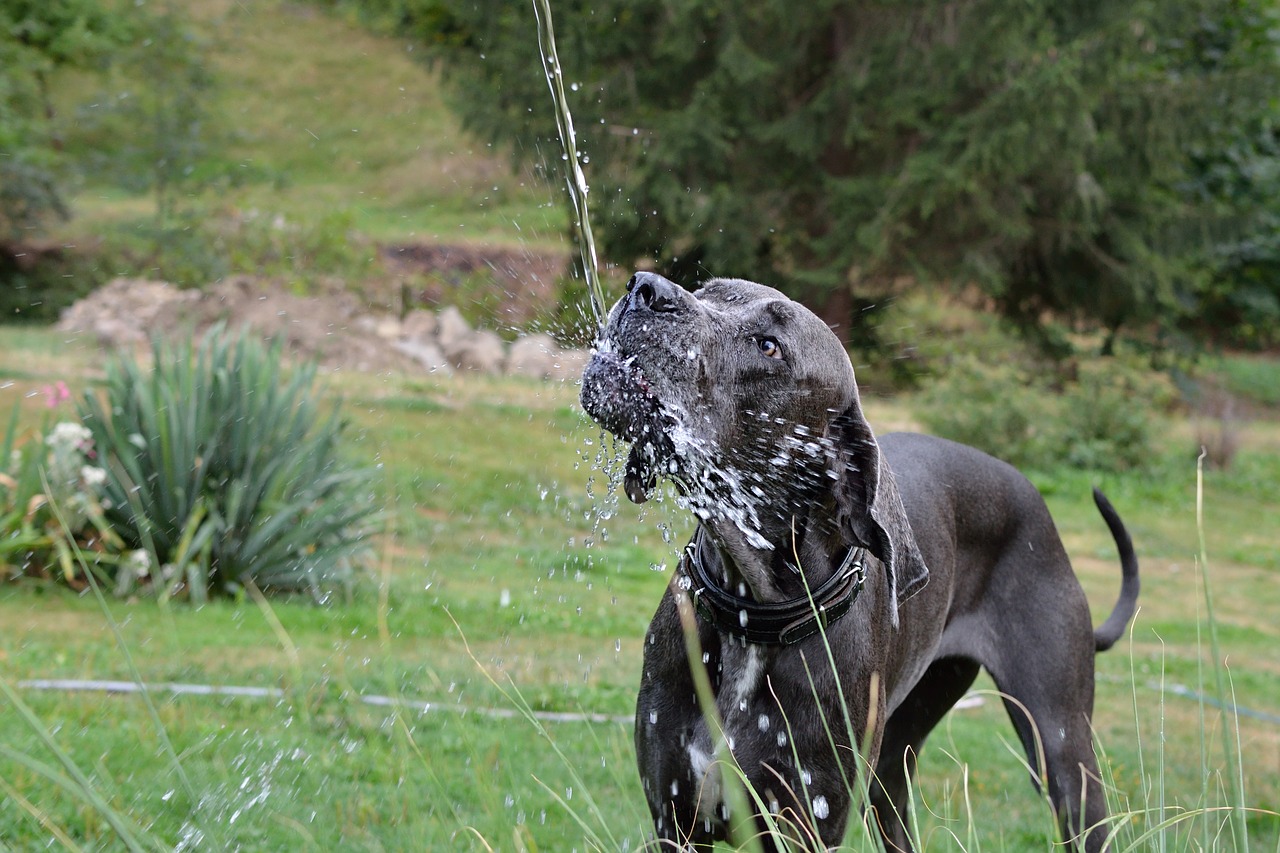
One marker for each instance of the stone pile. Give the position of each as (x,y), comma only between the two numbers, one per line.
(333,327)
(445,342)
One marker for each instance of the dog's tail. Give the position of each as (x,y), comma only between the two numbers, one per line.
(1106,635)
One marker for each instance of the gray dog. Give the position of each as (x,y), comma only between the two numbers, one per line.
(844,591)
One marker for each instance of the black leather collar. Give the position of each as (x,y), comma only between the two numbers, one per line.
(783,623)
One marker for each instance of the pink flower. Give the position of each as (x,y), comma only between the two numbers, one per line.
(56,394)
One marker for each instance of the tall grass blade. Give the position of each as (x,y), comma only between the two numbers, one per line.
(72,780)
(517,699)
(1230,745)
(40,816)
(136,674)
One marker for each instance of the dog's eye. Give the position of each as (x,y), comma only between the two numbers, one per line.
(770,347)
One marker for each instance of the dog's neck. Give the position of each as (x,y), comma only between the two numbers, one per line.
(765,563)
(770,514)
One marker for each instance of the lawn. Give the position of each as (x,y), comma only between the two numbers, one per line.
(510,580)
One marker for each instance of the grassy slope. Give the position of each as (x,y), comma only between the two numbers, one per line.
(322,117)
(491,486)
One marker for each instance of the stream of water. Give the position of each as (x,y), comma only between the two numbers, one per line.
(574,176)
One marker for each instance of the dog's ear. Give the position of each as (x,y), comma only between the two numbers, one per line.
(869,508)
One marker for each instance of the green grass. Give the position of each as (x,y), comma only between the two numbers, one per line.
(1253,377)
(319,117)
(494,542)
(494,524)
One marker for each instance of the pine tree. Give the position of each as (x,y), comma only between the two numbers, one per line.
(1044,151)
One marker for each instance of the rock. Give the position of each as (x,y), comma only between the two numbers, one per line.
(329,324)
(420,325)
(451,328)
(476,350)
(569,365)
(388,328)
(124,310)
(480,351)
(110,332)
(427,354)
(534,356)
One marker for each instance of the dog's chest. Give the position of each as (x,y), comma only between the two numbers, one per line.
(749,709)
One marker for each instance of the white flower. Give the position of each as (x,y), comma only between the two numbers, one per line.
(92,476)
(66,434)
(138,562)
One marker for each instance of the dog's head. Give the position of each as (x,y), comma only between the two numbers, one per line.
(747,401)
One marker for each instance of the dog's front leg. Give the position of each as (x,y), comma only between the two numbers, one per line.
(674,748)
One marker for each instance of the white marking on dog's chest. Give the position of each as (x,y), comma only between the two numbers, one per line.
(699,762)
(747,680)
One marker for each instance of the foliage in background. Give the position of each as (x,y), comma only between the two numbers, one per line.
(154,126)
(1237,170)
(1041,150)
(151,129)
(1102,418)
(223,467)
(203,244)
(200,245)
(36,38)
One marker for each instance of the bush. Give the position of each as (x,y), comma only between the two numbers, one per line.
(1106,416)
(48,501)
(224,470)
(37,281)
(991,407)
(1100,419)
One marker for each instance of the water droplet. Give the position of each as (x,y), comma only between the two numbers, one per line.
(821,809)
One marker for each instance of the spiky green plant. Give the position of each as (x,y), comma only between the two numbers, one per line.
(223,467)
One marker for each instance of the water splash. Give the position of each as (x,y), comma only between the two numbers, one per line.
(574,176)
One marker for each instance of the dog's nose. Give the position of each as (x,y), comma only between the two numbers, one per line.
(654,292)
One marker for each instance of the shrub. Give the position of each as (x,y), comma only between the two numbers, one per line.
(1100,419)
(37,281)
(996,408)
(205,243)
(1105,420)
(48,502)
(223,468)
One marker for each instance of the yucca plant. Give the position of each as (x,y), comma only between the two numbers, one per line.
(223,467)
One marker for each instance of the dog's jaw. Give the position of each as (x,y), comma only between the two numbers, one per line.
(616,394)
